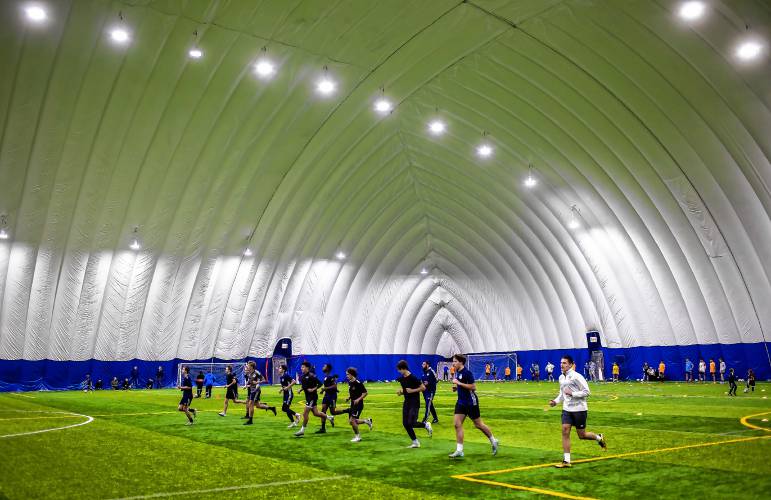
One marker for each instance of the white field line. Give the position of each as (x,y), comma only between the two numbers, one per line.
(232,488)
(88,420)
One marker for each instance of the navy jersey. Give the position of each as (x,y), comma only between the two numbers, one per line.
(429,380)
(186,382)
(330,381)
(253,379)
(285,381)
(466,396)
(229,378)
(410,382)
(355,390)
(309,381)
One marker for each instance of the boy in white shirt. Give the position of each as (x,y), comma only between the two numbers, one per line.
(573,393)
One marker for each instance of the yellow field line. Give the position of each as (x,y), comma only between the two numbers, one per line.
(472,476)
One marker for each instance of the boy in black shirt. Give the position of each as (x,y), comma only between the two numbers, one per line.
(231,390)
(254,378)
(411,389)
(731,383)
(187,395)
(329,389)
(288,395)
(199,384)
(429,380)
(356,394)
(310,385)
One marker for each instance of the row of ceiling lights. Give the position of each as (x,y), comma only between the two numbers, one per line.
(264,68)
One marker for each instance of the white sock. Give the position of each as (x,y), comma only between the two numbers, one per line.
(415,441)
(302,428)
(567,457)
(492,439)
(598,437)
(459,447)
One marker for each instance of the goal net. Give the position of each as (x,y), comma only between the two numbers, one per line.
(498,362)
(217,369)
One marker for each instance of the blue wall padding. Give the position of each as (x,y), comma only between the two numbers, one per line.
(24,375)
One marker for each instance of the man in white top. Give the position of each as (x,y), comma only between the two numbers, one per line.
(722,371)
(702,371)
(573,393)
(550,371)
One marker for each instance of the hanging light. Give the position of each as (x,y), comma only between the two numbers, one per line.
(748,50)
(573,222)
(340,255)
(325,85)
(383,106)
(195,53)
(484,150)
(35,13)
(424,271)
(248,252)
(135,241)
(437,127)
(118,33)
(692,10)
(530,181)
(264,67)
(3,231)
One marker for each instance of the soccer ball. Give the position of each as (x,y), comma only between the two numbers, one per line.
(746,390)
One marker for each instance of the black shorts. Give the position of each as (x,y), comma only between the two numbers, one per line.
(330,401)
(472,411)
(575,418)
(254,395)
(232,393)
(186,399)
(311,402)
(288,397)
(356,410)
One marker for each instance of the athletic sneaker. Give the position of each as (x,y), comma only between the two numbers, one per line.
(244,417)
(429,429)
(563,465)
(415,444)
(495,447)
(248,422)
(221,414)
(293,424)
(321,431)
(369,424)
(602,442)
(192,410)
(189,422)
(331,419)
(299,433)
(456,454)
(435,421)
(356,439)
(273,409)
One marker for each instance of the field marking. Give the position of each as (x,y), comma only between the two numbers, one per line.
(472,476)
(232,488)
(88,418)
(21,395)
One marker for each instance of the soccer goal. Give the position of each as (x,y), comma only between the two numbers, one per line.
(498,362)
(218,369)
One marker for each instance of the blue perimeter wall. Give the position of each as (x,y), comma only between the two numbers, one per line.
(24,375)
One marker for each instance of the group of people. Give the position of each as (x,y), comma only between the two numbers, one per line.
(491,372)
(572,394)
(702,371)
(126,383)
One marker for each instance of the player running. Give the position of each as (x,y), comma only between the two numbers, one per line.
(467,405)
(254,378)
(287,382)
(411,389)
(573,393)
(356,394)
(329,389)
(310,385)
(231,390)
(187,395)
(429,380)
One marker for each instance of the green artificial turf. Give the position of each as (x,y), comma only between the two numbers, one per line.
(138,445)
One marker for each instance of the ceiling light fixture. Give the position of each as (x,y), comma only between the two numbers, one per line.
(437,127)
(340,255)
(36,13)
(573,222)
(195,53)
(325,85)
(424,271)
(484,150)
(248,252)
(749,50)
(383,106)
(691,10)
(135,241)
(530,181)
(3,231)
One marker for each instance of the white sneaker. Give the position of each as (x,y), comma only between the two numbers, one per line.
(456,454)
(221,414)
(356,439)
(189,423)
(299,433)
(293,424)
(369,423)
(495,447)
(429,429)
(415,444)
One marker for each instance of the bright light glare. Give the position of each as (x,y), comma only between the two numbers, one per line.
(485,151)
(383,106)
(424,271)
(573,224)
(135,245)
(3,234)
(325,86)
(530,181)
(340,255)
(691,10)
(437,127)
(248,252)
(119,35)
(749,50)
(264,68)
(35,13)
(196,53)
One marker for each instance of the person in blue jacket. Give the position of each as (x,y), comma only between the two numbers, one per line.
(688,370)
(208,381)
